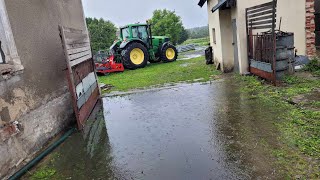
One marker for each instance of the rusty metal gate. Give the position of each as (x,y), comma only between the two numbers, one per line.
(81,74)
(262,45)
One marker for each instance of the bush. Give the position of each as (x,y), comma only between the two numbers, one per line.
(313,66)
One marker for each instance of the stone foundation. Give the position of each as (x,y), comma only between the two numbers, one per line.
(27,135)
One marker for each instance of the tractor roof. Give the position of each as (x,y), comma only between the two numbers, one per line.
(138,24)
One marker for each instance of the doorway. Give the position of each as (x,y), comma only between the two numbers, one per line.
(235,46)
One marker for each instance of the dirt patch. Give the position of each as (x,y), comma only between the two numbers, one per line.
(310,101)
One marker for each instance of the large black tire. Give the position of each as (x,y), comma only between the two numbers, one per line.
(169,54)
(135,51)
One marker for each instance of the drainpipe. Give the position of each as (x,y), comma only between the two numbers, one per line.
(38,158)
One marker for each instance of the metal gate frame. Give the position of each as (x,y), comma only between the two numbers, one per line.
(81,75)
(262,45)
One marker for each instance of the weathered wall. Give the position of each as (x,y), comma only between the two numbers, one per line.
(38,97)
(310,28)
(214,23)
(226,39)
(293,20)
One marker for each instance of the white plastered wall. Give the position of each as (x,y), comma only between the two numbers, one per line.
(226,40)
(293,20)
(222,48)
(214,22)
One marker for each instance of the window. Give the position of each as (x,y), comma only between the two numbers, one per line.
(135,32)
(140,32)
(125,33)
(143,32)
(214,35)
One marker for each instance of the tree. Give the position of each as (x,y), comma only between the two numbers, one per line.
(184,35)
(198,32)
(167,23)
(102,33)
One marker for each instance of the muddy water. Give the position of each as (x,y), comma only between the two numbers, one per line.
(196,131)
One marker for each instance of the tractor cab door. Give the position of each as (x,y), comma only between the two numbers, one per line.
(141,32)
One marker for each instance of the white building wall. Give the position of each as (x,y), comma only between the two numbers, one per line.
(293,20)
(227,39)
(214,23)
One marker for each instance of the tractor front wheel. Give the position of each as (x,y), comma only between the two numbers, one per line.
(134,56)
(169,54)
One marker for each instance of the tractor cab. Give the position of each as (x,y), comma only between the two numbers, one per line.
(137,31)
(134,31)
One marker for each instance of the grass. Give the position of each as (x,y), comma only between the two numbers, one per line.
(313,66)
(160,74)
(200,41)
(299,127)
(46,170)
(43,173)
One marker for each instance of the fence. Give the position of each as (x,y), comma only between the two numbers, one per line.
(262,46)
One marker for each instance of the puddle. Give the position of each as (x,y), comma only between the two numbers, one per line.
(189,56)
(194,131)
(187,64)
(198,52)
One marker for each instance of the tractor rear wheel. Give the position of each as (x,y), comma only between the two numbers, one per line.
(134,56)
(169,54)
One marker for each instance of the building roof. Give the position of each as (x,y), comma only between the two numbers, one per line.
(201,2)
(219,5)
(224,4)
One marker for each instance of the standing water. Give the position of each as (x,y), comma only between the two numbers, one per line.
(194,131)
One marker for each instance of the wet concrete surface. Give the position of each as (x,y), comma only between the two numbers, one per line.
(168,134)
(195,131)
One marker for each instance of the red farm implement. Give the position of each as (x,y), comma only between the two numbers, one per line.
(106,63)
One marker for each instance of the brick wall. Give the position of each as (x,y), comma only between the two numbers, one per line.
(310,28)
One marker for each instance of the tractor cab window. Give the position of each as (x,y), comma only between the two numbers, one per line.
(125,33)
(140,32)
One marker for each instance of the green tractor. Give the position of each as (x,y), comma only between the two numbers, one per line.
(136,46)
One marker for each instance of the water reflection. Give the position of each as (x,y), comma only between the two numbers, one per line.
(169,134)
(198,131)
(247,127)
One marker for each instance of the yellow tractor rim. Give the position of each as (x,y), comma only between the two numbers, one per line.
(170,53)
(137,56)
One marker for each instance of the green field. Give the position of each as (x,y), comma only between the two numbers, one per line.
(200,41)
(160,74)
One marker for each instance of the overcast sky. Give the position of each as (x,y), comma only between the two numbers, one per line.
(123,12)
